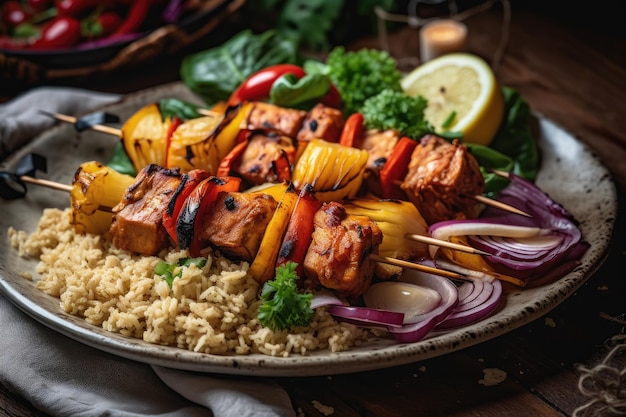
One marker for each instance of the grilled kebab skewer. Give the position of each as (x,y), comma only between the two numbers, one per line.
(455,178)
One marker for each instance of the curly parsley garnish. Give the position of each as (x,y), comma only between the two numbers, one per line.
(283,305)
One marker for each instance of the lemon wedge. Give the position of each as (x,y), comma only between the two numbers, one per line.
(463,96)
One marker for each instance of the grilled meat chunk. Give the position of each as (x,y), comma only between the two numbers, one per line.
(379,144)
(442,179)
(268,116)
(267,158)
(338,257)
(137,225)
(321,122)
(236,223)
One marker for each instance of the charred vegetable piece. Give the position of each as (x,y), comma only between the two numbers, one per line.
(96,188)
(297,238)
(262,268)
(187,184)
(335,171)
(395,218)
(145,137)
(199,202)
(186,142)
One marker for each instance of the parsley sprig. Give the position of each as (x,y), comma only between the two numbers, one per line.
(283,305)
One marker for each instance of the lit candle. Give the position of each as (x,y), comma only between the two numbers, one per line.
(442,37)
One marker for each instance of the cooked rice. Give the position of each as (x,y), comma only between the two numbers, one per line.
(211,309)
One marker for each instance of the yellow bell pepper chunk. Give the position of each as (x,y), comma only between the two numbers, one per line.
(185,148)
(335,171)
(263,266)
(395,218)
(144,136)
(94,187)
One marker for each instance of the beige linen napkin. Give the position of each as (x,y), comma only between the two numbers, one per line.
(63,377)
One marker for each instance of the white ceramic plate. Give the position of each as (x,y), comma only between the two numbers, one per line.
(570,174)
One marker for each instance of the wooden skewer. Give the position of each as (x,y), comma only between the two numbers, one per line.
(46,183)
(444,244)
(57,186)
(417,267)
(98,127)
(418,238)
(118,132)
(207,112)
(497,204)
(377,258)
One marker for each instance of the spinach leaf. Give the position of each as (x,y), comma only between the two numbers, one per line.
(120,161)
(173,107)
(215,73)
(514,138)
(291,91)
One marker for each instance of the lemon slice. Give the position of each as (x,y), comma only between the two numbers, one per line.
(463,85)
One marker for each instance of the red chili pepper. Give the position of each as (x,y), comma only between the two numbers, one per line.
(299,231)
(13,14)
(187,185)
(61,32)
(258,85)
(135,18)
(39,5)
(76,8)
(395,169)
(101,26)
(352,131)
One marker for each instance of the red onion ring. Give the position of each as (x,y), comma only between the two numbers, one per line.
(481,307)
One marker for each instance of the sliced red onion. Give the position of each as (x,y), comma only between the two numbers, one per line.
(424,323)
(469,290)
(404,297)
(324,298)
(557,245)
(481,307)
(365,316)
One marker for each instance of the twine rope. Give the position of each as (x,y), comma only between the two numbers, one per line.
(605,384)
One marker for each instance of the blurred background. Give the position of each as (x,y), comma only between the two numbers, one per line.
(141,48)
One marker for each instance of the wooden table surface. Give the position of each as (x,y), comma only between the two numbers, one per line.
(573,71)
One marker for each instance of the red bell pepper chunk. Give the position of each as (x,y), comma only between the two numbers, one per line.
(352,131)
(395,169)
(177,121)
(224,169)
(195,208)
(299,232)
(258,85)
(187,184)
(332,98)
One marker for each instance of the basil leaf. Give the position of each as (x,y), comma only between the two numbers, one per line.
(173,107)
(120,161)
(291,91)
(490,159)
(515,139)
(215,73)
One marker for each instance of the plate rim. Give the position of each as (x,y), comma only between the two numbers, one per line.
(317,363)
